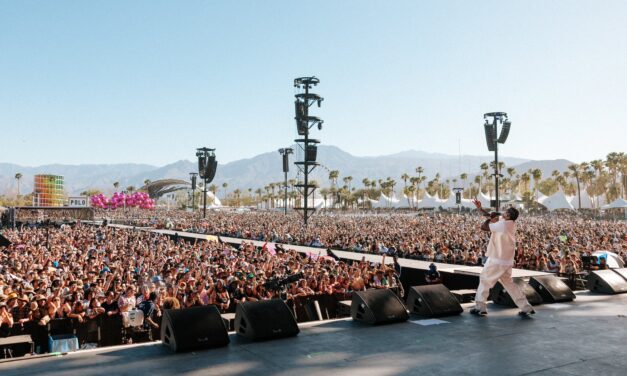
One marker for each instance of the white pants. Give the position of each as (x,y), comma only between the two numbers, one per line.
(503,273)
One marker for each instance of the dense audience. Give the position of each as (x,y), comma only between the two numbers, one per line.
(554,243)
(86,272)
(83,271)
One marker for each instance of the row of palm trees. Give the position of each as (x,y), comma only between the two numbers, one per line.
(599,178)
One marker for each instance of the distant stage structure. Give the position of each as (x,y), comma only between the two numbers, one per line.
(48,191)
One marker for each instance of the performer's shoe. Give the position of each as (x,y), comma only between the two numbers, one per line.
(524,314)
(478,312)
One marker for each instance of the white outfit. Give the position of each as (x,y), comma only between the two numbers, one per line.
(501,249)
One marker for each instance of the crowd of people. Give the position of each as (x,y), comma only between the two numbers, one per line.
(84,271)
(561,243)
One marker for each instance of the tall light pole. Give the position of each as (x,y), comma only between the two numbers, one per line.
(207,166)
(193,176)
(304,122)
(285,152)
(493,139)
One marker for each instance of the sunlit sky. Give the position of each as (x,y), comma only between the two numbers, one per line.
(150,81)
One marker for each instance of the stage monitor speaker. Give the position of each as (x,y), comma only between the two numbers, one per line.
(552,289)
(606,282)
(193,328)
(265,319)
(433,301)
(500,296)
(378,306)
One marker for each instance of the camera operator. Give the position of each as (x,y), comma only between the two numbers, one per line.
(433,275)
(501,251)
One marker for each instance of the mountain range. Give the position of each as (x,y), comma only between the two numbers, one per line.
(264,168)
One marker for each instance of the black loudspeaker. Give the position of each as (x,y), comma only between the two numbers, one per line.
(378,306)
(286,164)
(193,183)
(433,301)
(265,319)
(193,328)
(4,242)
(552,289)
(202,166)
(499,295)
(311,153)
(211,168)
(606,282)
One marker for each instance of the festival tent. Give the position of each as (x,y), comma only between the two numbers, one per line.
(451,203)
(540,198)
(386,202)
(619,203)
(612,260)
(557,200)
(406,202)
(484,200)
(586,201)
(429,201)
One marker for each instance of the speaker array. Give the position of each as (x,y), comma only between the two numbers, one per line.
(607,282)
(378,306)
(500,296)
(433,301)
(552,289)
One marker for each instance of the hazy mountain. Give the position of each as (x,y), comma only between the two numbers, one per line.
(258,171)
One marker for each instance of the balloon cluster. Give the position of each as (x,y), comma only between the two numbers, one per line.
(120,200)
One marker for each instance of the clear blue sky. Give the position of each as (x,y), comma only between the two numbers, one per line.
(149,81)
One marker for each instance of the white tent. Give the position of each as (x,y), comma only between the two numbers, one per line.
(541,198)
(586,201)
(558,200)
(386,202)
(619,203)
(451,203)
(407,202)
(430,201)
(483,199)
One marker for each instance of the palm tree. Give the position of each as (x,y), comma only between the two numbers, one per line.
(420,171)
(537,176)
(324,192)
(18,177)
(130,189)
(348,180)
(116,185)
(405,177)
(484,174)
(224,185)
(576,169)
(147,181)
(464,177)
(237,193)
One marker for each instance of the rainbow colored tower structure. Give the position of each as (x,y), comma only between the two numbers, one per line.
(48,190)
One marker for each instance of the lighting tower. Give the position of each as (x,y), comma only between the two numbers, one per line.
(285,152)
(493,139)
(207,166)
(304,122)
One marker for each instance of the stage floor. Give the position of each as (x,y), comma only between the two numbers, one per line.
(588,336)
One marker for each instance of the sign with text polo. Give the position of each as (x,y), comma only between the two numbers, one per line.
(78,202)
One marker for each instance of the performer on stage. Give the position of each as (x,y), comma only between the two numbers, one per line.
(500,254)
